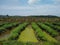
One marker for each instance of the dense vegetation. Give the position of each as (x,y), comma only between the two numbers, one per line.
(30,30)
(48,29)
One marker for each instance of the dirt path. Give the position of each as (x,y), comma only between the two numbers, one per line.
(58,38)
(28,35)
(6,34)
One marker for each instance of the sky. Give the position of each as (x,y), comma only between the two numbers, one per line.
(30,7)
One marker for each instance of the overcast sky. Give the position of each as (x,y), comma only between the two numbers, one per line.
(30,7)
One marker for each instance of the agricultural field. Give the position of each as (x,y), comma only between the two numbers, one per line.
(29,31)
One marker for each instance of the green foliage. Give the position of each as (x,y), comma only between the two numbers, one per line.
(48,43)
(41,34)
(15,32)
(14,42)
(56,23)
(48,29)
(11,42)
(56,27)
(7,25)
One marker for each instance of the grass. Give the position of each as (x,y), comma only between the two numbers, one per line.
(28,35)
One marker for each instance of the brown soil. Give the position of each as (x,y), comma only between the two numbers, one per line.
(58,38)
(6,34)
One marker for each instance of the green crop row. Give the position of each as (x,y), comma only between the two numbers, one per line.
(56,27)
(41,34)
(58,24)
(1,24)
(48,29)
(14,42)
(16,32)
(4,27)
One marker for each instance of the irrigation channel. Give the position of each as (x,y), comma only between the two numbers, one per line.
(28,35)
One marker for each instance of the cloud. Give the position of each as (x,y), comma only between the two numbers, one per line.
(37,7)
(9,2)
(16,8)
(56,2)
(29,10)
(32,1)
(12,0)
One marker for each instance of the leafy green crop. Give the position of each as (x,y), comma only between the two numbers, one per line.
(15,32)
(56,27)
(48,29)
(4,27)
(41,34)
